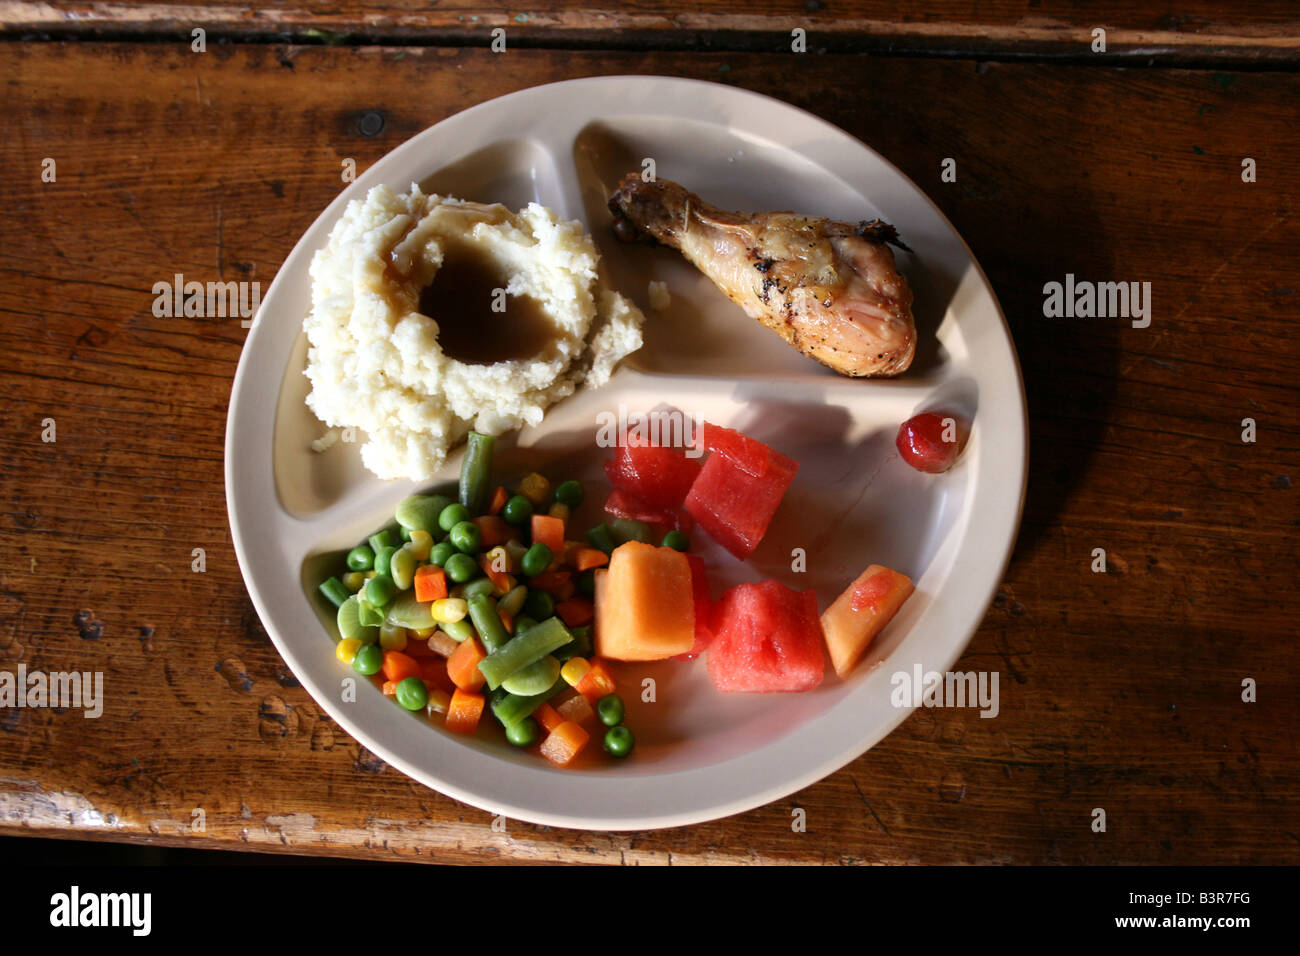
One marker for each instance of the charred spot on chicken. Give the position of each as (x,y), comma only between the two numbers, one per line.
(831,289)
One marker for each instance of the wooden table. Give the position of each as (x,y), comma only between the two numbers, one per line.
(1120,690)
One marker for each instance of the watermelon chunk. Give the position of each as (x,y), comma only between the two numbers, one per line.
(767,638)
(749,455)
(661,477)
(703,608)
(735,507)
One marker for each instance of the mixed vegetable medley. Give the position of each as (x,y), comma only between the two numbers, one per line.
(484,604)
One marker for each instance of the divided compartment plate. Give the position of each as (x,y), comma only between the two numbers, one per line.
(700,754)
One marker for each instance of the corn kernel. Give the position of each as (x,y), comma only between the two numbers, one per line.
(439,702)
(354,580)
(346,649)
(422,634)
(536,489)
(421,544)
(574,670)
(449,610)
(559,510)
(392,638)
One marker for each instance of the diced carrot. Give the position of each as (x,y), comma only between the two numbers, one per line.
(584,559)
(465,710)
(548,717)
(433,671)
(390,688)
(577,709)
(494,530)
(507,620)
(500,579)
(498,500)
(550,532)
(462,666)
(417,648)
(550,580)
(430,583)
(597,682)
(576,611)
(565,590)
(399,666)
(564,743)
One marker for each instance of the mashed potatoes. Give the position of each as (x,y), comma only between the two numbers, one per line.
(375,362)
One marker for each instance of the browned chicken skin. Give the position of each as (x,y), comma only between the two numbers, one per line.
(828,288)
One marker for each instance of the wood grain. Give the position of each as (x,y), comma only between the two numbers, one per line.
(1119,690)
(1192,32)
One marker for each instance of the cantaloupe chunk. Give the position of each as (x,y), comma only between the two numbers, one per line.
(645,608)
(861,612)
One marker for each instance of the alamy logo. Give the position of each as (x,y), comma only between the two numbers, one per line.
(666,428)
(953,689)
(214,300)
(75,908)
(1100,300)
(73,689)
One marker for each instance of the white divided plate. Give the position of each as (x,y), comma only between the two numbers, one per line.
(700,754)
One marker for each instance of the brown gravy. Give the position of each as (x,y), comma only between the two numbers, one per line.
(461,298)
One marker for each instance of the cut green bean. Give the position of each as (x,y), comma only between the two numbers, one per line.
(522,649)
(493,634)
(628,529)
(581,646)
(334,591)
(512,708)
(382,539)
(476,587)
(513,600)
(601,537)
(476,472)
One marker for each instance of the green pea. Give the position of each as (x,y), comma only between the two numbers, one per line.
(382,557)
(570,493)
(586,582)
(369,659)
(537,559)
(523,622)
(466,537)
(676,540)
(523,733)
(412,694)
(619,741)
(441,552)
(460,568)
(539,605)
(380,590)
(517,510)
(610,710)
(361,558)
(453,515)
